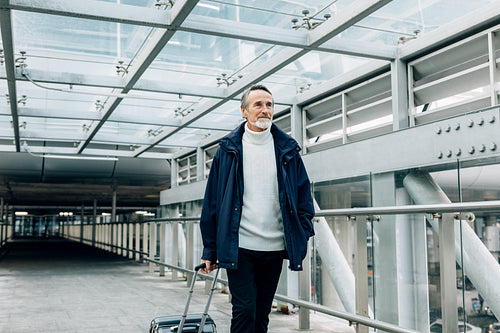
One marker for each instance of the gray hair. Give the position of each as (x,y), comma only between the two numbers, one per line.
(244,97)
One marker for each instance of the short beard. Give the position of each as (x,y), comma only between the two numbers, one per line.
(262,123)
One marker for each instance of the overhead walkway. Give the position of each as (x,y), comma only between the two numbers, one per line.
(63,286)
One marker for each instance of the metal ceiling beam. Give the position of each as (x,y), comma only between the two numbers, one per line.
(94,116)
(479,19)
(105,81)
(126,14)
(10,67)
(321,34)
(176,16)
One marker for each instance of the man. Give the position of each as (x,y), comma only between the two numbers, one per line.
(257,211)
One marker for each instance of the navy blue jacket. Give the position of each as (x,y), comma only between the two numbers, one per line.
(220,217)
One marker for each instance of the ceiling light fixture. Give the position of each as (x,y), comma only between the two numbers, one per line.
(227,80)
(22,100)
(181,113)
(169,3)
(98,105)
(20,62)
(69,157)
(308,22)
(120,68)
(403,40)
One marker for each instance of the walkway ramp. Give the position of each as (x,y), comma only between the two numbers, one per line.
(61,286)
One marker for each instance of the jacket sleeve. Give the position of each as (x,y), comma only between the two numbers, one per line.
(208,220)
(305,204)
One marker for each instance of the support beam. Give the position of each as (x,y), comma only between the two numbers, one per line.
(492,67)
(97,10)
(399,87)
(10,67)
(179,12)
(447,273)
(352,14)
(478,263)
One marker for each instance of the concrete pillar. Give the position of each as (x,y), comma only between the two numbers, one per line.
(113,206)
(162,247)
(82,220)
(174,259)
(119,238)
(145,238)
(130,244)
(94,222)
(1,208)
(138,241)
(152,244)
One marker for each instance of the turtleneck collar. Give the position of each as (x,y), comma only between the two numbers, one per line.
(257,138)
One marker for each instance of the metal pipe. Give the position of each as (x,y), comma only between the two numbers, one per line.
(335,263)
(478,263)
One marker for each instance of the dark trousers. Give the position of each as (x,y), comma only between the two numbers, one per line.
(252,287)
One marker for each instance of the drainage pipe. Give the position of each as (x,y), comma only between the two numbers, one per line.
(479,264)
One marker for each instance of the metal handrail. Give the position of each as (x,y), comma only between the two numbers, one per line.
(478,206)
(351,318)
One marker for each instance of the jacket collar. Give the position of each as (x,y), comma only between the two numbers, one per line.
(282,141)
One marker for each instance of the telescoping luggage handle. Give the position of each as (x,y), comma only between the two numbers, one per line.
(207,306)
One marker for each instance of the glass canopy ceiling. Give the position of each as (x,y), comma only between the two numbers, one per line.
(145,78)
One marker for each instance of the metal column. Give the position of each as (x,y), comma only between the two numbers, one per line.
(175,248)
(361,269)
(478,263)
(400,102)
(492,67)
(384,239)
(448,274)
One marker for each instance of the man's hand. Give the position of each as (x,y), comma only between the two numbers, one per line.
(209,266)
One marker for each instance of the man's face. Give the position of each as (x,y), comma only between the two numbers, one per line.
(259,112)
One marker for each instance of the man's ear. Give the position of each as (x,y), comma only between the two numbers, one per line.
(244,112)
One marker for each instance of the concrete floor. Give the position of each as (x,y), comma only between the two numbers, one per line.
(60,286)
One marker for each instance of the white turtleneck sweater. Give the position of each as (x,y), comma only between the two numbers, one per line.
(261,225)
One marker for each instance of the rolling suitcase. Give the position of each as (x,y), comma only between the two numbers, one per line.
(200,322)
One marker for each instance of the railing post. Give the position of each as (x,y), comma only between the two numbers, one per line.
(361,271)
(189,249)
(447,268)
(145,237)
(162,248)
(305,290)
(175,249)
(120,239)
